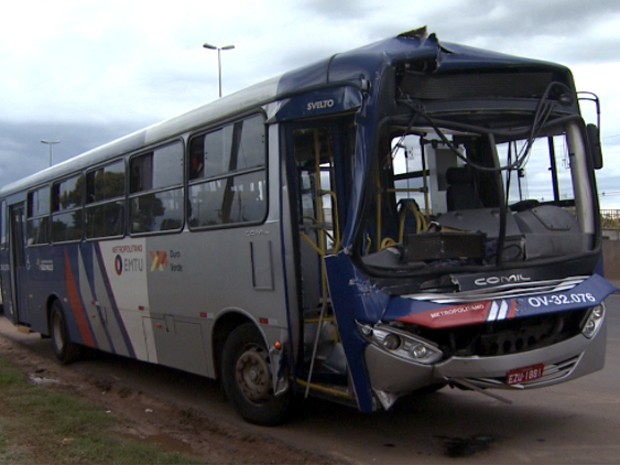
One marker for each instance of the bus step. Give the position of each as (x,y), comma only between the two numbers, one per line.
(24,329)
(336,379)
(326,390)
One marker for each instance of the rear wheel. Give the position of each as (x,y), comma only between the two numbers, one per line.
(65,350)
(247,380)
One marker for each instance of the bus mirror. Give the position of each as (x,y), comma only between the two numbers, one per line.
(594,141)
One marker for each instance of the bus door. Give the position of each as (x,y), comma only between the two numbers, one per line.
(17,244)
(317,165)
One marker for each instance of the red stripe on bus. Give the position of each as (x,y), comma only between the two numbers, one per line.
(76,305)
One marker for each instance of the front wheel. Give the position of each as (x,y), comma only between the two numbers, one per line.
(247,380)
(65,350)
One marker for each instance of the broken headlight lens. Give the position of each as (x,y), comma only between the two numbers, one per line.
(400,343)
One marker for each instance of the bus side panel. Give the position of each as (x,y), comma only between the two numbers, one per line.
(107,308)
(5,283)
(155,329)
(120,281)
(57,273)
(197,277)
(76,276)
(165,293)
(42,277)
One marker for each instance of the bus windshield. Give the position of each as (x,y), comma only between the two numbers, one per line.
(464,190)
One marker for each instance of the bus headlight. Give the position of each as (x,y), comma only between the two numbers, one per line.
(400,343)
(593,321)
(392,342)
(419,351)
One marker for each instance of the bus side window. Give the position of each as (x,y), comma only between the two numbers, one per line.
(3,226)
(38,216)
(234,188)
(67,199)
(156,189)
(105,201)
(196,158)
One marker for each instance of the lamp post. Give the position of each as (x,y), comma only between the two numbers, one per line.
(219,61)
(50,143)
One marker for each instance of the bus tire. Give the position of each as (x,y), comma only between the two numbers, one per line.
(247,380)
(65,350)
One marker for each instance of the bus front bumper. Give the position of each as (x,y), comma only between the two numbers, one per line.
(392,377)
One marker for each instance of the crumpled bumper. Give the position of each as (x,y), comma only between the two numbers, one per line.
(392,377)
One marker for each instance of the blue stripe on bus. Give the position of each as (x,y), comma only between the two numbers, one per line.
(115,310)
(86,254)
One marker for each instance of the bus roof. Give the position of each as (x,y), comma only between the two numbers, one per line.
(352,67)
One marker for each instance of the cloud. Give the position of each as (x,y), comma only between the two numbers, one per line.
(108,67)
(22,153)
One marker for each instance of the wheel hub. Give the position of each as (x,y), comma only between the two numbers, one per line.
(253,375)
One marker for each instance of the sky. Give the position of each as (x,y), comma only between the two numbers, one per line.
(85,72)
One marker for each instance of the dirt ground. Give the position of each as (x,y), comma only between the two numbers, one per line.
(161,421)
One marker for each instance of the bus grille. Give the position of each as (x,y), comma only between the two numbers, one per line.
(504,337)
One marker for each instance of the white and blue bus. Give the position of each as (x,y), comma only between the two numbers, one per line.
(393,219)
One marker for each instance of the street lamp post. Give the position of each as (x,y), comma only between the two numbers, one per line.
(50,143)
(219,61)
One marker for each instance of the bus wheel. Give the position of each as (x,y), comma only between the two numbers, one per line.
(247,381)
(65,350)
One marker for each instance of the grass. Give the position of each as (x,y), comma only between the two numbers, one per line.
(39,425)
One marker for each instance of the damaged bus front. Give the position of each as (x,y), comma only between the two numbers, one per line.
(471,247)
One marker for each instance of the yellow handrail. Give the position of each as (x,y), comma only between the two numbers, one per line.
(320,247)
(421,223)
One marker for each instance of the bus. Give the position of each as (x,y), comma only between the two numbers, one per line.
(394,219)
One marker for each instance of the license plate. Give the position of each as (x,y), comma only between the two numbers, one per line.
(525,374)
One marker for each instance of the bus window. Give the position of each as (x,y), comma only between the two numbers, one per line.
(217,151)
(3,226)
(411,175)
(314,156)
(105,201)
(210,154)
(67,198)
(156,192)
(38,216)
(548,179)
(234,199)
(232,185)
(251,151)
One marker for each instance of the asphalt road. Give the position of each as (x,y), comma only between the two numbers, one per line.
(573,423)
